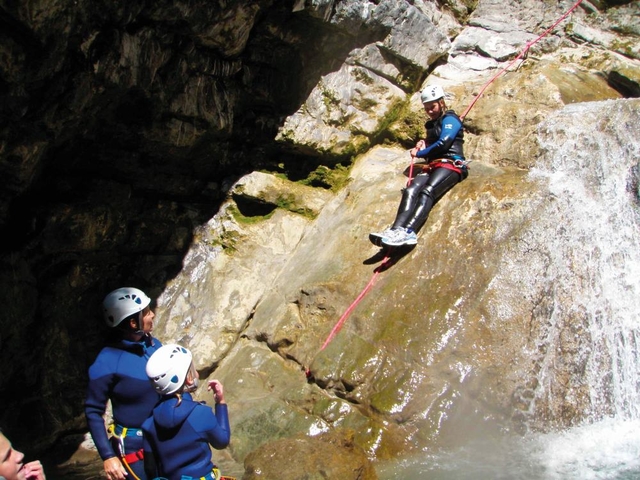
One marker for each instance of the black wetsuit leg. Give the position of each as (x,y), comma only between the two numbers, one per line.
(440,182)
(409,197)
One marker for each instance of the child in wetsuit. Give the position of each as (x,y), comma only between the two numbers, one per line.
(179,431)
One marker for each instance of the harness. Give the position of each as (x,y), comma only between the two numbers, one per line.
(457,164)
(213,475)
(118,433)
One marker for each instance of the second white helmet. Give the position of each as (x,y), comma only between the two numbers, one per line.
(122,303)
(168,367)
(431,93)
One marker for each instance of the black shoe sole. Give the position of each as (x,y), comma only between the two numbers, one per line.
(375,239)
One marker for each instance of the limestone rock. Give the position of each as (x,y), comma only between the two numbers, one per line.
(413,37)
(264,188)
(342,114)
(331,455)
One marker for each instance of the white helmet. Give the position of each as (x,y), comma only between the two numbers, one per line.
(431,93)
(122,303)
(168,368)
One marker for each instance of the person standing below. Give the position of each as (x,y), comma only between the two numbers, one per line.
(445,167)
(118,374)
(180,431)
(11,466)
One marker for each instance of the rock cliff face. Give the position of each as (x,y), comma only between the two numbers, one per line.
(230,158)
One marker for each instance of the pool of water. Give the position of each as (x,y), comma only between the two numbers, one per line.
(609,449)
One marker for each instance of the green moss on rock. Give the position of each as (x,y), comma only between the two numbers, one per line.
(333,178)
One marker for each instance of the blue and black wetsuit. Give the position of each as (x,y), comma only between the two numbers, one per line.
(177,438)
(445,168)
(118,374)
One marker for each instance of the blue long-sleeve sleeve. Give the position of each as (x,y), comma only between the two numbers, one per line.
(216,426)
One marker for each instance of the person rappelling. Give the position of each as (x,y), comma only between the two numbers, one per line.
(442,165)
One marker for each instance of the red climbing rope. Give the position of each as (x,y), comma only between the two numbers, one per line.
(522,54)
(348,311)
(411,170)
(386,262)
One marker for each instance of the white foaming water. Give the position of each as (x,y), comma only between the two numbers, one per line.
(590,236)
(606,450)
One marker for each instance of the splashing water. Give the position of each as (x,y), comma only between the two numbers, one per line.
(596,260)
(609,449)
(589,233)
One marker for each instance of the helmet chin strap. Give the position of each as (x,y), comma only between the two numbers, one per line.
(191,383)
(193,387)
(139,331)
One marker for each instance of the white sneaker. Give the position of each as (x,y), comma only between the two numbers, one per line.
(394,235)
(399,237)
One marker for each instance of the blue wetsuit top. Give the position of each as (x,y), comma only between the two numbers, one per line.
(444,138)
(118,374)
(178,436)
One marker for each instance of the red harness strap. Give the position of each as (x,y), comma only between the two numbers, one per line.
(441,163)
(133,457)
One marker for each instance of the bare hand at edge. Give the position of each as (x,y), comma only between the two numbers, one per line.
(218,391)
(34,471)
(114,469)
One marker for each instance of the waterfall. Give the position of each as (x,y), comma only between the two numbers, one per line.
(579,256)
(591,158)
